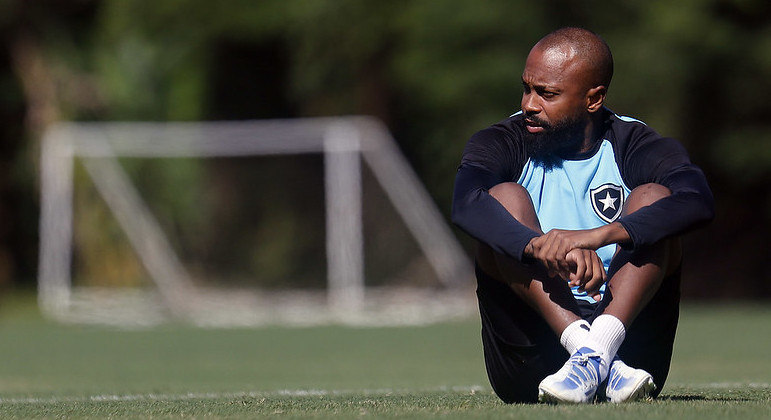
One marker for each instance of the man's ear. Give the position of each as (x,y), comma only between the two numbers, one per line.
(595,97)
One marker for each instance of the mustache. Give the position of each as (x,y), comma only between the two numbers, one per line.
(537,121)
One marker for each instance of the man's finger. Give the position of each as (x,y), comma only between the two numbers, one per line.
(581,271)
(598,277)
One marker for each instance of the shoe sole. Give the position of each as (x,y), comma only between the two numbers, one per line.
(544,396)
(643,391)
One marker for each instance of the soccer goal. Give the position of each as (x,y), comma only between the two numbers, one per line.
(113,160)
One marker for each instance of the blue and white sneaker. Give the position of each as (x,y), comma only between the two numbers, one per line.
(577,381)
(627,384)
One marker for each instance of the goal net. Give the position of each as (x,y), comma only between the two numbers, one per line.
(242,223)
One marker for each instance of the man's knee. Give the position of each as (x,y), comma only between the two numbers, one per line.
(509,191)
(645,195)
(517,201)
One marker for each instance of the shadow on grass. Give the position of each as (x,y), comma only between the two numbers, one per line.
(681,398)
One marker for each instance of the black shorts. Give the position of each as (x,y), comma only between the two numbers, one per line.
(520,349)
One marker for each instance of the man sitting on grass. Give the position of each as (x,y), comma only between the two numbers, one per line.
(578,213)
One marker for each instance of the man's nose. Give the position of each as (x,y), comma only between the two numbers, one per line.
(530,104)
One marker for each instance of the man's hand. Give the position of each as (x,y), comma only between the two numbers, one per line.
(552,248)
(587,271)
(571,254)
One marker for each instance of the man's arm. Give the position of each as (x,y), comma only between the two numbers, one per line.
(489,159)
(480,215)
(664,161)
(649,159)
(558,242)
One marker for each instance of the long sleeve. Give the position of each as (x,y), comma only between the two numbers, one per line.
(490,158)
(664,161)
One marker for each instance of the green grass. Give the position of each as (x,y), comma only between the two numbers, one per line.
(721,369)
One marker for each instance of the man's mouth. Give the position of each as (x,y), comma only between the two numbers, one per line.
(533,126)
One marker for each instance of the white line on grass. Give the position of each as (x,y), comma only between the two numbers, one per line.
(311,393)
(722,385)
(231,395)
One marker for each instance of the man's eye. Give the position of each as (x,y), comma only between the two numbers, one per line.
(547,94)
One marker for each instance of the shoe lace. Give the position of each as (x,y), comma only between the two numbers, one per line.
(582,370)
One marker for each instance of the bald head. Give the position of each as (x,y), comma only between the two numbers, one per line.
(591,52)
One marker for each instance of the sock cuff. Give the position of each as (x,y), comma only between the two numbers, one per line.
(574,335)
(608,332)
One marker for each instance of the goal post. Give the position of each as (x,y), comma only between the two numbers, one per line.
(344,142)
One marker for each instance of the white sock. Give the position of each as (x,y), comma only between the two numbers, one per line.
(575,336)
(607,333)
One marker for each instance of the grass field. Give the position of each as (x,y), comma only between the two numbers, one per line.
(721,369)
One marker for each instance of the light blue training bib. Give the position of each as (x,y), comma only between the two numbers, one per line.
(582,194)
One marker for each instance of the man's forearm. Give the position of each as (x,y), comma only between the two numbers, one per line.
(613,233)
(552,248)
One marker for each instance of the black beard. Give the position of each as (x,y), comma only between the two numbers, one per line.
(549,147)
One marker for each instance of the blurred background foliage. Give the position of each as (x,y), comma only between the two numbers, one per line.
(434,71)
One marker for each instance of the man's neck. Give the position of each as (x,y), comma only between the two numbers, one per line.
(595,128)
